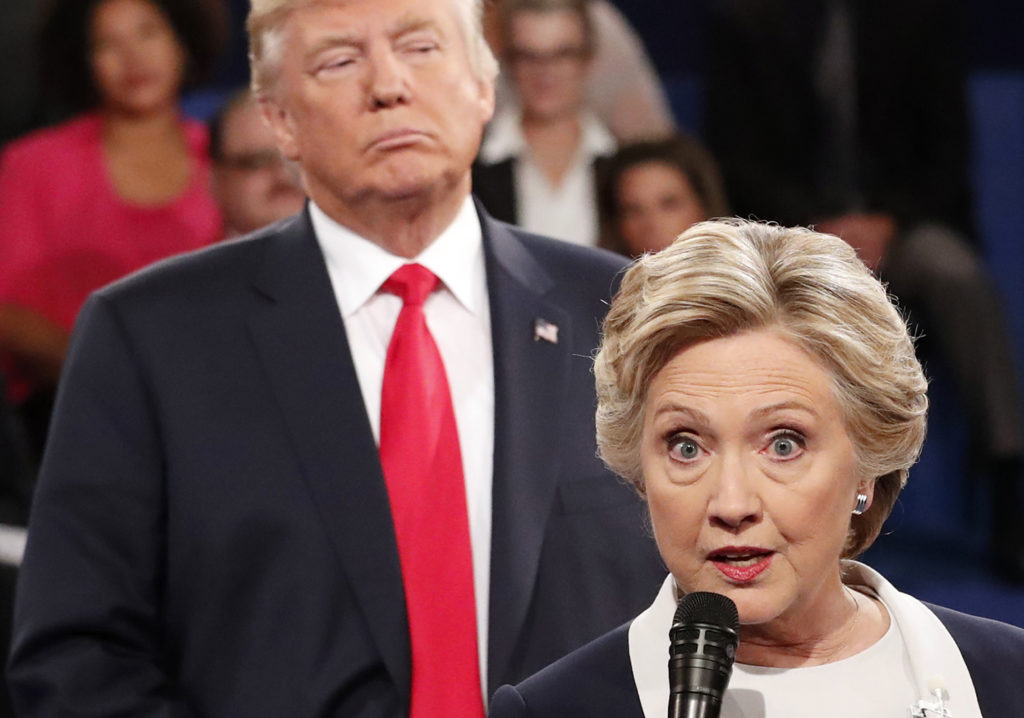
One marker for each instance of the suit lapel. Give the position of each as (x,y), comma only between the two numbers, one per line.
(529,379)
(300,338)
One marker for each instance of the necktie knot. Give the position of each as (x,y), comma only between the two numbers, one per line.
(412,282)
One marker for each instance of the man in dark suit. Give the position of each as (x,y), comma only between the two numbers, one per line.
(214,533)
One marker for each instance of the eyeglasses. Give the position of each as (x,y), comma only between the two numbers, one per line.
(252,161)
(559,57)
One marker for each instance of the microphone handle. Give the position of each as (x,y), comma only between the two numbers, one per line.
(693,705)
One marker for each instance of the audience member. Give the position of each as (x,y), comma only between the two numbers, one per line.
(649,192)
(253,184)
(123,183)
(345,466)
(536,164)
(623,89)
(852,116)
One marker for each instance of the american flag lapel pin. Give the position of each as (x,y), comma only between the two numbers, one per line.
(543,329)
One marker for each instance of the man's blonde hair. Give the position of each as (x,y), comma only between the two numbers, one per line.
(267,18)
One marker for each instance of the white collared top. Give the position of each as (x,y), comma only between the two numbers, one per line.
(917,647)
(567,211)
(459,317)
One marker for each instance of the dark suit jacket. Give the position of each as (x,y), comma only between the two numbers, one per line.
(211,534)
(597,680)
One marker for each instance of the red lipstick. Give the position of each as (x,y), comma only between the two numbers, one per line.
(741,564)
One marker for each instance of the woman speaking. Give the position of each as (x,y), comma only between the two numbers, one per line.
(758,388)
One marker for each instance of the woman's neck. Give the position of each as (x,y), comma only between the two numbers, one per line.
(147,156)
(553,145)
(123,128)
(852,623)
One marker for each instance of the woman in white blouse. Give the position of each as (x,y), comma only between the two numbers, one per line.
(759,389)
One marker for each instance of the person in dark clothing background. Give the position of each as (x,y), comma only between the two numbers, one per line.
(852,116)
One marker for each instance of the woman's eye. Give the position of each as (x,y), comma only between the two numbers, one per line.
(683,448)
(786,446)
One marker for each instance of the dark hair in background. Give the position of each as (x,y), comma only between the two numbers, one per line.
(215,125)
(682,152)
(65,69)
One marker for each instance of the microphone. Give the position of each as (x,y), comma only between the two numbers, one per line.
(701,653)
(925,709)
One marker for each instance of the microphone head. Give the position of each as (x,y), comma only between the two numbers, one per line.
(707,607)
(702,647)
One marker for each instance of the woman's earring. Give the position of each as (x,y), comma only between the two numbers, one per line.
(862,504)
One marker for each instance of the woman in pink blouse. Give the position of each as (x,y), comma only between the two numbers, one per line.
(119,186)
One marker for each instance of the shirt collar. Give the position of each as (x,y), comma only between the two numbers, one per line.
(505,139)
(359,267)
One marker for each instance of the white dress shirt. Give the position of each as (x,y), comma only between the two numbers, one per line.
(567,211)
(458,316)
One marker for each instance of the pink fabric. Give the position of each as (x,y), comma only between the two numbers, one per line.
(64,230)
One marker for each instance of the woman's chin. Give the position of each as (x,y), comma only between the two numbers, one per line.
(141,104)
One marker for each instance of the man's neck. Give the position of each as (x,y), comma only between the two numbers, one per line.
(402,226)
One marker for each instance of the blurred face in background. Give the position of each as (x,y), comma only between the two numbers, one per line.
(253,185)
(138,63)
(547,54)
(656,203)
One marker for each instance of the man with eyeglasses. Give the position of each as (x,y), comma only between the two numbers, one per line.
(252,183)
(536,164)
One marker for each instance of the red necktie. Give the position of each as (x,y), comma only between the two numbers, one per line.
(419,451)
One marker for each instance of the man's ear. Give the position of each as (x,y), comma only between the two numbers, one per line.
(280,122)
(486,98)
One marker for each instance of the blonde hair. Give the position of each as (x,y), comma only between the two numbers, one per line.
(267,17)
(723,277)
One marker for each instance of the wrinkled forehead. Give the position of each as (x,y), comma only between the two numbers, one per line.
(269,20)
(314,26)
(271,16)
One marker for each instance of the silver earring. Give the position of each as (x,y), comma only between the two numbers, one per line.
(862,504)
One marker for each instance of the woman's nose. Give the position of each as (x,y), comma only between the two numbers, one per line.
(735,501)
